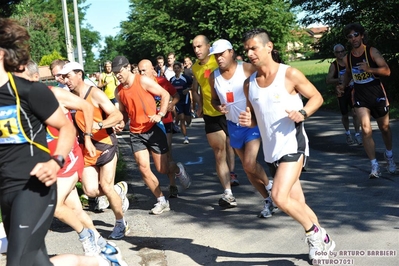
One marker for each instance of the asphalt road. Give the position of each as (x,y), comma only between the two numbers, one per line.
(360,214)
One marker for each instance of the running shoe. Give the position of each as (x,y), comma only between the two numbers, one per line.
(89,244)
(173,192)
(160,208)
(186,141)
(227,201)
(375,171)
(233,179)
(329,244)
(120,230)
(101,203)
(121,188)
(391,165)
(358,139)
(315,241)
(267,211)
(183,177)
(349,139)
(113,255)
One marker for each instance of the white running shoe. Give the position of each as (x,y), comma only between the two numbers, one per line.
(375,171)
(315,242)
(101,203)
(112,255)
(89,244)
(267,211)
(391,165)
(186,141)
(183,177)
(160,208)
(121,188)
(227,201)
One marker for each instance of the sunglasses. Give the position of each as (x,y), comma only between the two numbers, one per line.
(353,35)
(339,52)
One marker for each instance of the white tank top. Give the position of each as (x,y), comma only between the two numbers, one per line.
(231,92)
(280,135)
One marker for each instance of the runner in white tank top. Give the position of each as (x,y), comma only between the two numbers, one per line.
(274,104)
(228,97)
(280,135)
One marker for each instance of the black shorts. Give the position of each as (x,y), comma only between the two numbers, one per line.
(373,98)
(183,108)
(215,123)
(345,102)
(294,157)
(154,140)
(168,127)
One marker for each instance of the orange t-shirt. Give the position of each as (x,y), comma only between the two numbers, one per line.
(139,105)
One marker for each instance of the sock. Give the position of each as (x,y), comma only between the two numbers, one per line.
(313,228)
(348,132)
(388,153)
(228,192)
(161,199)
(374,161)
(269,186)
(101,242)
(232,173)
(122,221)
(84,233)
(357,134)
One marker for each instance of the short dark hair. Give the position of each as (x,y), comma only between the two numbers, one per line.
(14,41)
(258,32)
(354,27)
(177,63)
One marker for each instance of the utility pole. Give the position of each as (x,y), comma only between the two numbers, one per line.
(77,26)
(68,41)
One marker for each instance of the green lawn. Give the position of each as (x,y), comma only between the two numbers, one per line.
(316,72)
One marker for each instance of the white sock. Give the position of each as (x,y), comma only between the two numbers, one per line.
(348,132)
(228,192)
(374,161)
(388,153)
(161,199)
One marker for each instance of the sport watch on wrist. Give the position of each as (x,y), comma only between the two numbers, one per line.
(59,159)
(303,112)
(161,114)
(100,124)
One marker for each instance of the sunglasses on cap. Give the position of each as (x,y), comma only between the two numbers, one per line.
(352,35)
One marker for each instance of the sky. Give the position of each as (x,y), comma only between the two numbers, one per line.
(105,16)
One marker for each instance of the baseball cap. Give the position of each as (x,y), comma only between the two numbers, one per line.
(220,46)
(68,67)
(119,62)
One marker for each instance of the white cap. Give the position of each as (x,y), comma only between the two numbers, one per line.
(68,67)
(220,46)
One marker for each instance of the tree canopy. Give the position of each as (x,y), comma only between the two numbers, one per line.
(380,19)
(157,27)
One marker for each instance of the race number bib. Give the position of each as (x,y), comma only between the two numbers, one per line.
(10,132)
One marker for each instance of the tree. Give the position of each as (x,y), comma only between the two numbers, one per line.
(158,27)
(7,7)
(379,19)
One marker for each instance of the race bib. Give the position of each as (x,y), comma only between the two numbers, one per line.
(10,132)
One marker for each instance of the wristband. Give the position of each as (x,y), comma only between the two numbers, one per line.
(88,134)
